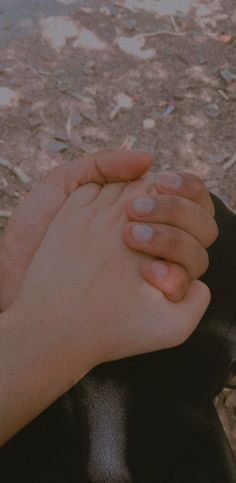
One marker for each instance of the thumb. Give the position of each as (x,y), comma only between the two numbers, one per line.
(32,217)
(184,316)
(102,167)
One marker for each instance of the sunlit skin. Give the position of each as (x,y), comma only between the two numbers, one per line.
(87,297)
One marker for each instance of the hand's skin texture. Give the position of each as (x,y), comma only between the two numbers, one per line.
(32,217)
(28,225)
(180,200)
(83,302)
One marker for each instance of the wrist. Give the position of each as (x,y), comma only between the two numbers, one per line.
(37,366)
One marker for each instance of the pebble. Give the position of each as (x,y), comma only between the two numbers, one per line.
(148,123)
(110,11)
(212,111)
(227,75)
(8,98)
(130,24)
(122,102)
(76,120)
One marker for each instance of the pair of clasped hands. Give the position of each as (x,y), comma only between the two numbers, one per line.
(98,263)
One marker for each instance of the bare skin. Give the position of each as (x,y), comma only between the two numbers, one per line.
(59,317)
(28,225)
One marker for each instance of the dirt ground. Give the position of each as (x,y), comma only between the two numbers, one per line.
(157,75)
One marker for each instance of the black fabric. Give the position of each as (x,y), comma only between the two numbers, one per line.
(148,418)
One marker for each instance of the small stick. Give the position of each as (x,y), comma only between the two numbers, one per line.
(173,21)
(230,163)
(128,143)
(16,170)
(162,32)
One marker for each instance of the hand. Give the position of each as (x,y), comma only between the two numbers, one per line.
(84,302)
(181,215)
(28,225)
(86,282)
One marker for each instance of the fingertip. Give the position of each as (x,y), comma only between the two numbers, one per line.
(141,160)
(199,296)
(169,278)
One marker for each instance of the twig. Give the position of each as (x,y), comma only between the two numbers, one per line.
(230,163)
(162,32)
(173,21)
(128,142)
(38,73)
(5,163)
(16,170)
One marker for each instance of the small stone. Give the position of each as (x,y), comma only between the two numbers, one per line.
(122,102)
(8,98)
(232,88)
(105,11)
(91,64)
(130,24)
(148,123)
(212,110)
(110,11)
(162,104)
(76,120)
(86,10)
(227,75)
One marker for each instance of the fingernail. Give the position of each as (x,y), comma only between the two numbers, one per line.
(143,206)
(169,180)
(142,233)
(160,269)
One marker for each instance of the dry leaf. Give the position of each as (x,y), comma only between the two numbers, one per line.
(226,39)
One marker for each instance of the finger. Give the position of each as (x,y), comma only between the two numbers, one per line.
(176,211)
(186,185)
(31,219)
(189,312)
(168,243)
(33,215)
(104,166)
(171,279)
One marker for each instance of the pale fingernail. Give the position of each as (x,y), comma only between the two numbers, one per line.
(142,233)
(169,180)
(143,206)
(160,269)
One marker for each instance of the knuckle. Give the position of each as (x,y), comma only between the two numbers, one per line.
(173,205)
(173,239)
(178,281)
(211,233)
(203,267)
(215,231)
(196,185)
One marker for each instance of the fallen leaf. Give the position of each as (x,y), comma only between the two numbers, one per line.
(226,39)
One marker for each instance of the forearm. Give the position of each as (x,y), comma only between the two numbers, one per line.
(38,363)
